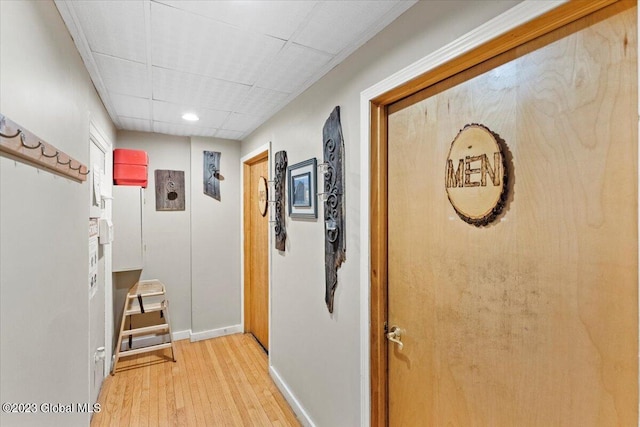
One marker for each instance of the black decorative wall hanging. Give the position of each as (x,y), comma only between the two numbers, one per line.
(334,215)
(211,174)
(279,180)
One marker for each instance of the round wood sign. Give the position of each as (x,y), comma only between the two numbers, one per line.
(475,176)
(263,195)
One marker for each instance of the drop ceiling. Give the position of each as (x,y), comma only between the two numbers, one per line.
(233,63)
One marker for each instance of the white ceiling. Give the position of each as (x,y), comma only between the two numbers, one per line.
(233,63)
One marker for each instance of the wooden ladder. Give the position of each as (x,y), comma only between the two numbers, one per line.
(146,296)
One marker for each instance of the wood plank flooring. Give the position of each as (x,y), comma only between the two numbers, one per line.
(217,382)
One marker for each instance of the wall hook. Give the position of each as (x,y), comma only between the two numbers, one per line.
(61,163)
(22,138)
(26,149)
(18,132)
(46,155)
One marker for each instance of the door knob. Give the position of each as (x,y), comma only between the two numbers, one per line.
(394,335)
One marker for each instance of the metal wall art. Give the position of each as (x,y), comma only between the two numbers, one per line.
(476,175)
(334,212)
(302,189)
(169,190)
(211,174)
(279,180)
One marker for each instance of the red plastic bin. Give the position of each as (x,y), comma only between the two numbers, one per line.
(130,157)
(130,167)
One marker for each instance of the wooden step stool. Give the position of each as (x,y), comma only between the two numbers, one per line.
(144,297)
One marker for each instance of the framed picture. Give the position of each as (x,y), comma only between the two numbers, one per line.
(301,181)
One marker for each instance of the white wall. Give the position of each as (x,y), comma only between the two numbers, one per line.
(44,292)
(317,355)
(166,234)
(215,240)
(195,252)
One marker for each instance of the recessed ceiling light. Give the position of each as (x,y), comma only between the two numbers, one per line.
(190,117)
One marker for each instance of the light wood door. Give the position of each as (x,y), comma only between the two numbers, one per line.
(256,245)
(532,320)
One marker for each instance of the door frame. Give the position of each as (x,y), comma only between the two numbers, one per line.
(99,138)
(263,151)
(520,24)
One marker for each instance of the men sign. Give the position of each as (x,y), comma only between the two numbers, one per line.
(475,175)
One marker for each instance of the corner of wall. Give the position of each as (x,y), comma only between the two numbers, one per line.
(297,407)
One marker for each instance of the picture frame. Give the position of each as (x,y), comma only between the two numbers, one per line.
(302,189)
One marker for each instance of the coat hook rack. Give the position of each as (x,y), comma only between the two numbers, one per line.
(23,145)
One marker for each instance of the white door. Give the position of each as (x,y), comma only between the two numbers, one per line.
(99,163)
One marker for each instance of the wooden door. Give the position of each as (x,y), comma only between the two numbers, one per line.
(533,319)
(256,252)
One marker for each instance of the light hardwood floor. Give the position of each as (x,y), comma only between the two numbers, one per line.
(217,382)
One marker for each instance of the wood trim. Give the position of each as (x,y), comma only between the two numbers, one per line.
(257,158)
(545,24)
(378,264)
(246,225)
(556,18)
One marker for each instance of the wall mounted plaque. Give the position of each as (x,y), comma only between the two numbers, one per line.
(475,175)
(335,249)
(169,190)
(279,180)
(211,174)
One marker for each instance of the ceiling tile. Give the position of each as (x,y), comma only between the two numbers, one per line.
(243,122)
(129,106)
(114,28)
(182,130)
(235,63)
(197,91)
(274,18)
(122,76)
(172,113)
(294,66)
(229,134)
(129,123)
(187,42)
(347,21)
(262,102)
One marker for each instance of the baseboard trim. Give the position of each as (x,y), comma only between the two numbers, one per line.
(144,341)
(215,333)
(181,335)
(302,415)
(147,340)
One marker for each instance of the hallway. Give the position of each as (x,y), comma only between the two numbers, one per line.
(221,381)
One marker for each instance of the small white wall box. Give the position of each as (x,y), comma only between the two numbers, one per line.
(106,232)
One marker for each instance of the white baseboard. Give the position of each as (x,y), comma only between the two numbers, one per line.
(144,341)
(302,415)
(147,340)
(215,333)
(181,335)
